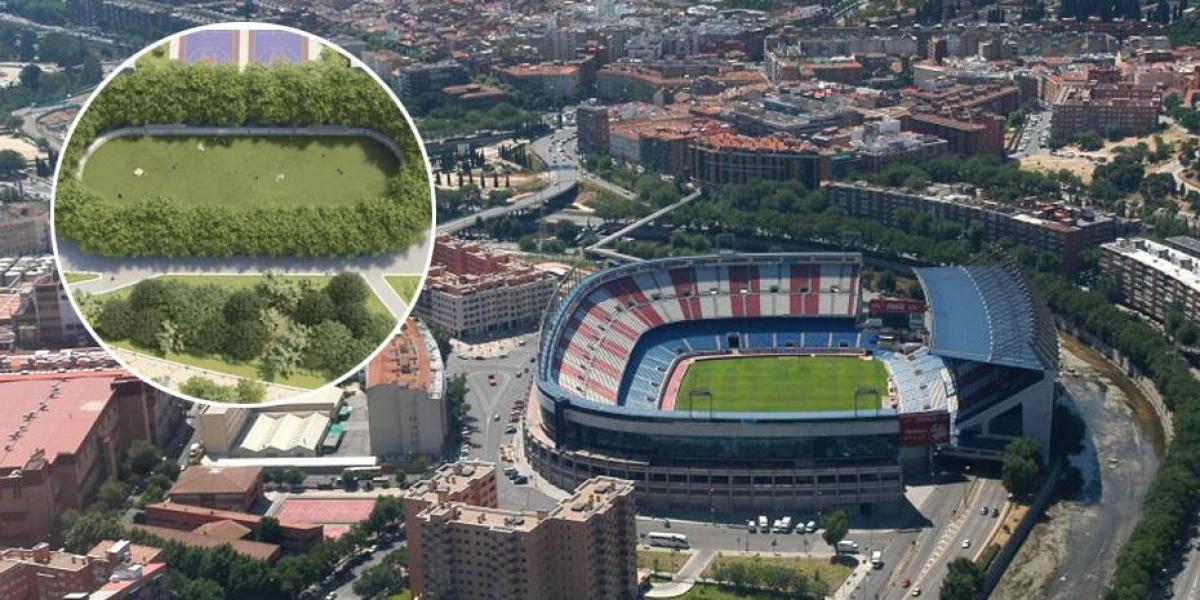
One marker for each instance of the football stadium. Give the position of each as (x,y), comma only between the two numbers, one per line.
(761,380)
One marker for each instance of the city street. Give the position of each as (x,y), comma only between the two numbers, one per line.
(487,402)
(1033,136)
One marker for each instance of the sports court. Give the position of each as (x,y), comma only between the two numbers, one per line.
(782,383)
(335,514)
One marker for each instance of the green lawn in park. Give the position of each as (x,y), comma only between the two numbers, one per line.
(301,378)
(405,286)
(782,384)
(241,171)
(80,277)
(832,573)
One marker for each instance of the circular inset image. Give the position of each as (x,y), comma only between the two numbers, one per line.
(240,214)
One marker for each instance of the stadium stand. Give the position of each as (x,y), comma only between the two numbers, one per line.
(598,355)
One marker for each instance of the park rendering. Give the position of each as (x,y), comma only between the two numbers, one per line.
(213,193)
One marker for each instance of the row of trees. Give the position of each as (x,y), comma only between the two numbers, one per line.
(166,227)
(220,573)
(285,324)
(759,574)
(245,391)
(1172,498)
(324,92)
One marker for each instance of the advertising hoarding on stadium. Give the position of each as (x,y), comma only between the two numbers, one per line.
(925,428)
(879,306)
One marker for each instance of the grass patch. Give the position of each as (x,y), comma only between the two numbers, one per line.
(669,561)
(80,277)
(782,383)
(302,378)
(405,286)
(833,574)
(241,171)
(708,591)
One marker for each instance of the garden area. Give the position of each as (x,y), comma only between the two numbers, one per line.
(405,286)
(302,331)
(240,171)
(243,196)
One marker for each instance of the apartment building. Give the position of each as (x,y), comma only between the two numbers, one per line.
(591,121)
(1059,230)
(45,318)
(406,406)
(462,545)
(112,570)
(24,234)
(552,80)
(1156,278)
(472,291)
(967,132)
(724,157)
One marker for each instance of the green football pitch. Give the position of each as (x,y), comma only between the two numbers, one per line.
(782,384)
(241,171)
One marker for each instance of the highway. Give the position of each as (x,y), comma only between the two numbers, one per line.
(558,152)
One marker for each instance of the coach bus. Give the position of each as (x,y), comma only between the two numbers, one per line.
(668,540)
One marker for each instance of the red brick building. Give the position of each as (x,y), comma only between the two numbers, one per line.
(968,132)
(64,435)
(226,488)
(111,570)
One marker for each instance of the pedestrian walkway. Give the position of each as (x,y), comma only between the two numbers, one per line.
(686,577)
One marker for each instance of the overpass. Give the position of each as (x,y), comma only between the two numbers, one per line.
(564,177)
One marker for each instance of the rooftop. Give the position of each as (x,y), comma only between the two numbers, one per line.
(1175,264)
(50,415)
(450,481)
(216,480)
(411,360)
(988,314)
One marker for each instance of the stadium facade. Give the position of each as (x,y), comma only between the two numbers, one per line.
(977,371)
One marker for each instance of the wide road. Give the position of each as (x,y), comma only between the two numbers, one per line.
(557,150)
(922,557)
(487,402)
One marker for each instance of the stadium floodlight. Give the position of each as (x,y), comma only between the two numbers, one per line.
(700,391)
(867,391)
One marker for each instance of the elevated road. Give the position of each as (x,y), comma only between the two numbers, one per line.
(557,151)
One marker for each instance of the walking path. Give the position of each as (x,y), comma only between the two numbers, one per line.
(116,273)
(172,374)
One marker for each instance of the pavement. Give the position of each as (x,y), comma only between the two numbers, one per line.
(116,273)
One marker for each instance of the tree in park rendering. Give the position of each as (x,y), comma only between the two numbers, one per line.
(1021,472)
(835,526)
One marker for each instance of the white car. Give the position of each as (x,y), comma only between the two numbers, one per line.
(966,543)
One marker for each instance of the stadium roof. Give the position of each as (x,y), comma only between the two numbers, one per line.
(988,313)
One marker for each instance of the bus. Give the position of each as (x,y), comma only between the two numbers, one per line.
(668,540)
